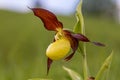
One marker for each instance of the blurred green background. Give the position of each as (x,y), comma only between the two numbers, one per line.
(23,41)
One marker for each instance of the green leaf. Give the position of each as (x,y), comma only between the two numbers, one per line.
(104,67)
(74,75)
(39,79)
(79,26)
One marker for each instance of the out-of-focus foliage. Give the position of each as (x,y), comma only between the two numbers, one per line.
(99,7)
(39,79)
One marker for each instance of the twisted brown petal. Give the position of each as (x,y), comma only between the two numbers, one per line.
(48,18)
(81,37)
(98,44)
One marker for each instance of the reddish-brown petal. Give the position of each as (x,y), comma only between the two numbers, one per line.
(99,44)
(81,37)
(48,18)
(49,62)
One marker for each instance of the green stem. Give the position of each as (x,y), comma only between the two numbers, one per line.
(80,28)
(85,66)
(80,16)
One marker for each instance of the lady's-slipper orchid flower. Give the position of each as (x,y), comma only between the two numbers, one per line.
(64,40)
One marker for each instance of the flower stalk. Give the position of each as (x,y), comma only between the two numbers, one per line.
(85,65)
(80,28)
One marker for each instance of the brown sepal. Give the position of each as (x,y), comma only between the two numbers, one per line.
(48,18)
(74,46)
(73,42)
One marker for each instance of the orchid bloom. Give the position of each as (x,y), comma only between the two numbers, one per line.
(64,40)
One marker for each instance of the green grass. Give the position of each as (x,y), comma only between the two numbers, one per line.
(23,41)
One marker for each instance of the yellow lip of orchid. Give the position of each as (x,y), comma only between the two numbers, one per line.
(58,49)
